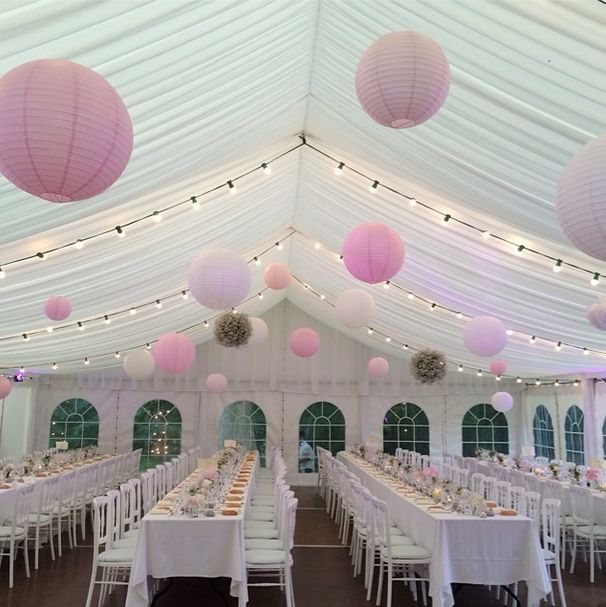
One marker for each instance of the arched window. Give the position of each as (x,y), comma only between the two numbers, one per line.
(320,424)
(484,427)
(157,432)
(542,429)
(244,422)
(573,431)
(405,425)
(76,421)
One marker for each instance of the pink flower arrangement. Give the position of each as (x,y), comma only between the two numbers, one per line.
(526,466)
(209,474)
(592,474)
(431,472)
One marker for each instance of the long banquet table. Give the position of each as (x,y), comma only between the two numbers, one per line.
(181,546)
(465,549)
(7,496)
(540,485)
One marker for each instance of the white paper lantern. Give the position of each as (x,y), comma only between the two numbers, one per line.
(139,364)
(355,308)
(485,336)
(260,331)
(581,199)
(219,278)
(596,315)
(502,401)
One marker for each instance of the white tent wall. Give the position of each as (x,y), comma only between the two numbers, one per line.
(17,420)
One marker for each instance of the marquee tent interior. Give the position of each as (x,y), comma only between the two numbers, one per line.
(219,91)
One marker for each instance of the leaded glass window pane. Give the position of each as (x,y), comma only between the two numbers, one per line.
(76,421)
(485,427)
(244,421)
(542,429)
(573,432)
(406,426)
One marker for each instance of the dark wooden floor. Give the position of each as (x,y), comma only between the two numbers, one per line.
(322,577)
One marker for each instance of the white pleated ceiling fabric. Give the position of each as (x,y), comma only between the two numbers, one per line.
(216,88)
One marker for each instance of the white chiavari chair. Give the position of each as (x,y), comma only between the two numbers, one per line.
(503,494)
(476,482)
(550,519)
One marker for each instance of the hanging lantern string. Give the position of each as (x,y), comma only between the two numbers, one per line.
(434,305)
(395,342)
(87,360)
(192,200)
(155,301)
(518,248)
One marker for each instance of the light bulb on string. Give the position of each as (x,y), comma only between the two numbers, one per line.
(79,244)
(537,382)
(557,266)
(372,188)
(86,361)
(194,203)
(205,323)
(446,219)
(370,331)
(412,201)
(509,332)
(556,383)
(317,246)
(585,351)
(459,315)
(339,168)
(55,367)
(279,246)
(433,306)
(25,336)
(411,296)
(518,380)
(485,234)
(120,231)
(595,281)
(405,347)
(80,326)
(498,378)
(533,339)
(132,311)
(117,354)
(49,329)
(388,339)
(107,319)
(558,346)
(519,250)
(148,346)
(266,168)
(386,284)
(322,297)
(575,383)
(257,261)
(40,255)
(460,369)
(158,304)
(232,188)
(260,295)
(157,216)
(184,294)
(479,373)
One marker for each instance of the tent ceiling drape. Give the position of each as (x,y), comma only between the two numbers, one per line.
(216,88)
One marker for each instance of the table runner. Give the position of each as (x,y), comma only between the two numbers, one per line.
(181,546)
(465,549)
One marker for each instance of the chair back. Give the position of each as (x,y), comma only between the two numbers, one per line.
(530,506)
(515,497)
(476,482)
(46,495)
(581,502)
(147,502)
(503,494)
(461,477)
(488,486)
(128,507)
(23,506)
(138,503)
(550,519)
(425,461)
(102,523)
(115,522)
(381,537)
(161,480)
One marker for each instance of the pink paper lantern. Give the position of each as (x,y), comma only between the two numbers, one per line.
(502,401)
(485,336)
(373,252)
(498,367)
(304,342)
(65,133)
(581,199)
(174,352)
(216,382)
(277,275)
(355,308)
(378,367)
(57,307)
(5,387)
(402,79)
(219,278)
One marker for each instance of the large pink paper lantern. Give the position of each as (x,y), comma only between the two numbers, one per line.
(581,199)
(502,401)
(139,364)
(402,79)
(174,352)
(485,336)
(216,382)
(5,386)
(355,308)
(65,133)
(57,307)
(219,278)
(304,342)
(373,252)
(260,331)
(277,275)
(498,366)
(596,314)
(378,367)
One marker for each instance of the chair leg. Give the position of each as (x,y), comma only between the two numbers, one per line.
(290,595)
(51,539)
(574,553)
(380,586)
(370,568)
(36,546)
(11,563)
(389,582)
(560,586)
(26,555)
(591,560)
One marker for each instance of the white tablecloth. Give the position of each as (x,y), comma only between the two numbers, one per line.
(465,549)
(532,483)
(180,546)
(7,496)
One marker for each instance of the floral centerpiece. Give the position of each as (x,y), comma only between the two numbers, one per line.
(46,459)
(555,470)
(501,459)
(592,475)
(526,465)
(7,471)
(233,330)
(575,474)
(28,464)
(479,452)
(431,473)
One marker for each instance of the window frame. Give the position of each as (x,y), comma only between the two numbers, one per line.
(543,433)
(63,435)
(485,415)
(574,455)
(407,411)
(241,409)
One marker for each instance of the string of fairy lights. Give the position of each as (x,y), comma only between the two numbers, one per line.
(400,344)
(230,185)
(433,305)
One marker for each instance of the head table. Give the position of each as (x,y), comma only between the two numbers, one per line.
(465,549)
(174,545)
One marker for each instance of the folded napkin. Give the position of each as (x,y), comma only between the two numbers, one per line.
(229,512)
(239,484)
(5,486)
(160,510)
(237,492)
